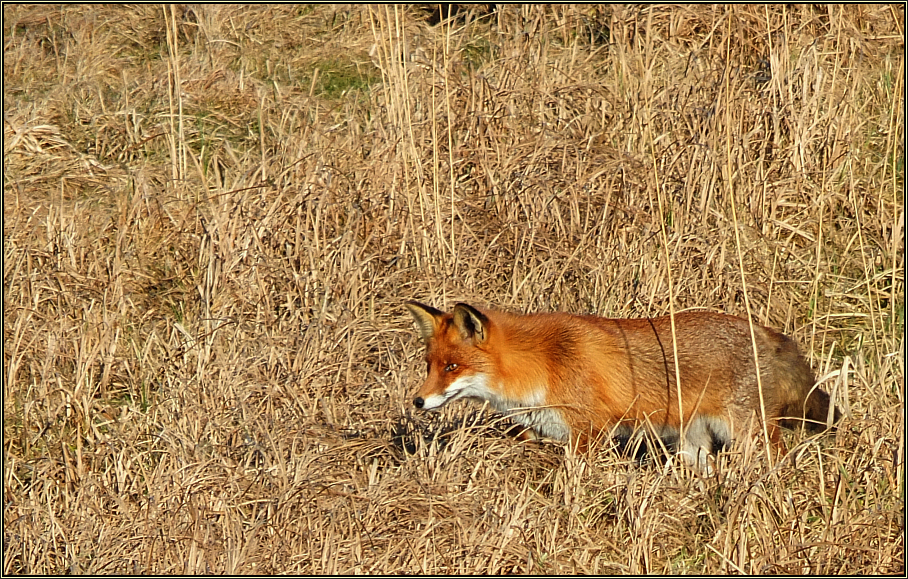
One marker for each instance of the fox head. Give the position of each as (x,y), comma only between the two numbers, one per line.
(459,364)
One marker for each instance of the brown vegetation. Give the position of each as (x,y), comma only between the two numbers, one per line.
(213,215)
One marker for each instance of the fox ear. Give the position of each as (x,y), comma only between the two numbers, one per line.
(471,323)
(426,319)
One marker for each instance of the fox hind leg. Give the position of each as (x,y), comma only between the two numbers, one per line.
(704,436)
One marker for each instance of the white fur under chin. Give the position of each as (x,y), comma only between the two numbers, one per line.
(531,413)
(472,386)
(546,422)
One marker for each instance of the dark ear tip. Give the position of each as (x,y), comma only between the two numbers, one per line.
(414,305)
(420,311)
(470,309)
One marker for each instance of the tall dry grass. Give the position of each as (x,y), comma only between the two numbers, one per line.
(212,215)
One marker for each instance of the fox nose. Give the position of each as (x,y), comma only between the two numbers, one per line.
(418,402)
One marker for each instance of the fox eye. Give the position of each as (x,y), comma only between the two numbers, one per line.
(450,367)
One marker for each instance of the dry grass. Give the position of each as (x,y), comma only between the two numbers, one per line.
(213,214)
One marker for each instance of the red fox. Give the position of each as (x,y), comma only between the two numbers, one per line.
(577,378)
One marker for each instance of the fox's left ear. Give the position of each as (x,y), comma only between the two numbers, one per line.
(426,318)
(471,323)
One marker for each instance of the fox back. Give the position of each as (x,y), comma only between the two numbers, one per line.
(578,378)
